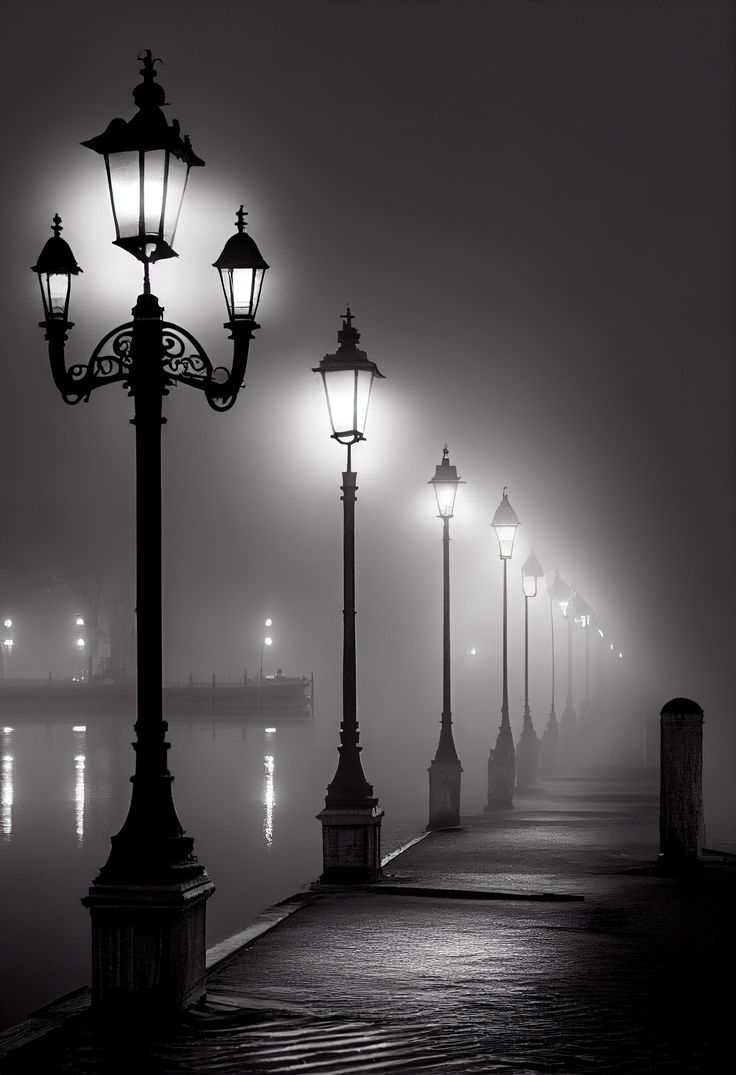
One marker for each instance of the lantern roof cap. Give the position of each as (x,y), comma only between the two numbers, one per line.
(57,256)
(532,567)
(348,355)
(240,251)
(505,514)
(149,128)
(445,471)
(558,589)
(682,705)
(581,606)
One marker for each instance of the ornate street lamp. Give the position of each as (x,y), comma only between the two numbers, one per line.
(527,749)
(351,820)
(562,593)
(147,903)
(502,760)
(445,769)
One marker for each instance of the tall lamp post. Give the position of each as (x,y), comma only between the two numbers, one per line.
(147,903)
(445,768)
(562,593)
(583,615)
(502,760)
(527,749)
(351,820)
(551,735)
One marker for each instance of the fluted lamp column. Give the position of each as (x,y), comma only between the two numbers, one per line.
(528,747)
(351,820)
(445,768)
(502,760)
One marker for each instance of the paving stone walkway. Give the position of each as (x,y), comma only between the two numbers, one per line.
(536,940)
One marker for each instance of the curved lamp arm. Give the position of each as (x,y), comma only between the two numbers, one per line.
(182,358)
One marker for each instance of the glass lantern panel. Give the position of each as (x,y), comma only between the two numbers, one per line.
(58,292)
(445,493)
(364,382)
(154,190)
(242,292)
(505,535)
(124,172)
(529,583)
(246,290)
(178,172)
(340,392)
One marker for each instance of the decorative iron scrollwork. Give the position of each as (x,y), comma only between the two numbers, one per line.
(178,364)
(182,360)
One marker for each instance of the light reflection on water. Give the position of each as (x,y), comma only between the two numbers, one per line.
(65,791)
(268,800)
(6,796)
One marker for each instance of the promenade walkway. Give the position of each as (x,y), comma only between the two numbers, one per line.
(536,940)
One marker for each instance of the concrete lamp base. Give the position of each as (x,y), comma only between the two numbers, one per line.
(148,945)
(351,845)
(444,794)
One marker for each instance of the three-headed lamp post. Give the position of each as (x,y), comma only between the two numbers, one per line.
(502,760)
(527,749)
(351,820)
(147,903)
(445,768)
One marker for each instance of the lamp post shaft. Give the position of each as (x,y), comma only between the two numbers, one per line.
(505,699)
(446,683)
(351,820)
(552,643)
(569,661)
(550,738)
(502,760)
(349,731)
(445,769)
(526,655)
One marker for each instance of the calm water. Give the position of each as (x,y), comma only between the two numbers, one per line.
(248,796)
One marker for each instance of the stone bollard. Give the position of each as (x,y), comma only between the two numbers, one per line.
(681,828)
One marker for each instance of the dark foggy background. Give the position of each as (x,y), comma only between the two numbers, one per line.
(529,207)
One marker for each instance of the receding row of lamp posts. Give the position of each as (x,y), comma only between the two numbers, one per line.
(147,903)
(509,767)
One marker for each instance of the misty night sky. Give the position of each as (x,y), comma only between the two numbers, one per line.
(529,207)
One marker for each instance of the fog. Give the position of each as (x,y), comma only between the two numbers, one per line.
(529,207)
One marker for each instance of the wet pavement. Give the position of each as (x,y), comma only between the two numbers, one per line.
(540,939)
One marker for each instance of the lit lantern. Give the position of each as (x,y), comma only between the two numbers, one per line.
(445,483)
(530,572)
(147,162)
(348,378)
(583,613)
(505,522)
(241,270)
(55,267)
(561,592)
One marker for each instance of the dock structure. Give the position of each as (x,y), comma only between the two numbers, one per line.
(272,699)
